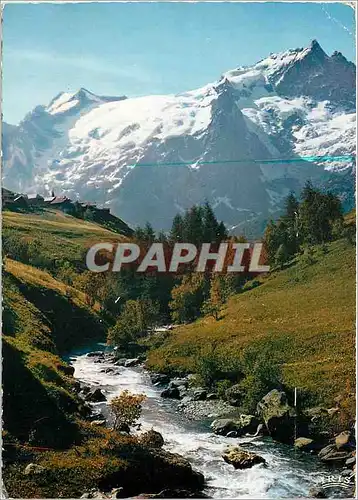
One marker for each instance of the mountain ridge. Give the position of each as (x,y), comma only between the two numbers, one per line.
(300,102)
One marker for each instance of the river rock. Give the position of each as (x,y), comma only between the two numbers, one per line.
(85,389)
(350,462)
(211,396)
(223,426)
(132,362)
(277,415)
(152,439)
(231,434)
(33,469)
(260,431)
(164,470)
(66,369)
(199,395)
(234,395)
(96,396)
(330,454)
(343,441)
(241,459)
(120,362)
(159,379)
(171,393)
(241,425)
(303,443)
(109,370)
(317,492)
(95,354)
(199,410)
(179,382)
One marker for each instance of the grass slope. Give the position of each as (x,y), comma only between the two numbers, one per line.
(303,316)
(57,235)
(43,318)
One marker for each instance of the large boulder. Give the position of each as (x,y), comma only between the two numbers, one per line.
(305,444)
(240,458)
(240,426)
(223,426)
(330,455)
(164,470)
(171,393)
(95,396)
(345,441)
(152,439)
(235,394)
(278,416)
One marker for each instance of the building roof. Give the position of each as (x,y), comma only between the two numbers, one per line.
(59,199)
(20,197)
(35,197)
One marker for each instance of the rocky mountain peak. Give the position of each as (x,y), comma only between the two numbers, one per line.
(299,102)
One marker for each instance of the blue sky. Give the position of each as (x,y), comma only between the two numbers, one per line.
(151,48)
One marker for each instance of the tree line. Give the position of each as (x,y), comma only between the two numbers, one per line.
(315,218)
(131,302)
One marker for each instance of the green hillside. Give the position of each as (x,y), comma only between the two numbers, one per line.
(44,317)
(303,318)
(53,235)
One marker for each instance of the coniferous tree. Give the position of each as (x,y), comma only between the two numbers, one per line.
(193,225)
(210,225)
(222,232)
(177,230)
(162,237)
(148,233)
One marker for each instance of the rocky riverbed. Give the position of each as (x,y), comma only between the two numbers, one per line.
(183,418)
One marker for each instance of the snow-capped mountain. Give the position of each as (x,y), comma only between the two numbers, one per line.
(150,157)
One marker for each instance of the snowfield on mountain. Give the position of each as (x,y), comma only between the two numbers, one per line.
(152,156)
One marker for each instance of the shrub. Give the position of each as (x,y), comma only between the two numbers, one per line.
(208,366)
(307,258)
(261,364)
(126,408)
(222,386)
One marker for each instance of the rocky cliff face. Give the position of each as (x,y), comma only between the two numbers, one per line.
(150,157)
